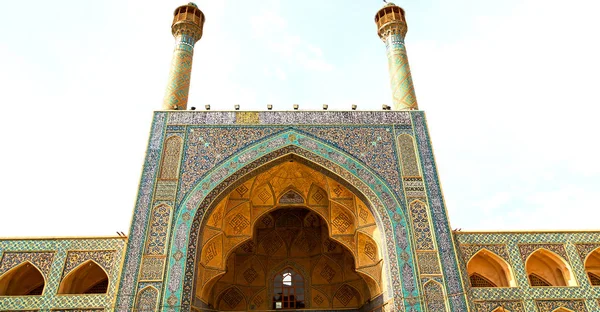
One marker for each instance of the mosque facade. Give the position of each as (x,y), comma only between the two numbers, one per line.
(297,210)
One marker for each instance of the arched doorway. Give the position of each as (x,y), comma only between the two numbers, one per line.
(289,218)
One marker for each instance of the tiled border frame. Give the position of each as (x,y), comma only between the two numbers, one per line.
(174,280)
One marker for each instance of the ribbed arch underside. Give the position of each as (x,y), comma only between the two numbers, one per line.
(326,214)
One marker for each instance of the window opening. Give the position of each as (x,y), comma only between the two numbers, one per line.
(536,280)
(288,290)
(480,281)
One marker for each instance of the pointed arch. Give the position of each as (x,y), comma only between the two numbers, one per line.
(87,278)
(368,186)
(487,269)
(289,290)
(434,296)
(592,267)
(24,279)
(546,267)
(147,299)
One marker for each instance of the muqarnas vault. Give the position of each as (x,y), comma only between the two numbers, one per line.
(297,210)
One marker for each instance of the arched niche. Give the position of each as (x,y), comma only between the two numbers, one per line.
(592,267)
(86,278)
(486,269)
(561,309)
(501,309)
(434,296)
(289,238)
(256,203)
(23,280)
(545,268)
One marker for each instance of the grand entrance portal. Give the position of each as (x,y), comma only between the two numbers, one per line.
(289,238)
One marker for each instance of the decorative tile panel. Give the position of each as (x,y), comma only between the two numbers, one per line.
(104,258)
(42,260)
(551,305)
(421,227)
(489,306)
(528,249)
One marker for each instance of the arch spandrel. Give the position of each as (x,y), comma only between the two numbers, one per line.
(351,172)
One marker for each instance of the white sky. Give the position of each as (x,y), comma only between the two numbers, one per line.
(510,89)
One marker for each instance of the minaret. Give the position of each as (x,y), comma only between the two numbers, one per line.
(188,22)
(391,28)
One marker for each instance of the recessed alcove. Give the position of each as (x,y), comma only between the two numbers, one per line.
(545,268)
(486,269)
(24,279)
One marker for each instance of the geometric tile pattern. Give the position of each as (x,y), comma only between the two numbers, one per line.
(528,249)
(585,249)
(403,91)
(232,297)
(42,260)
(345,294)
(469,251)
(371,145)
(65,253)
(327,273)
(178,85)
(342,222)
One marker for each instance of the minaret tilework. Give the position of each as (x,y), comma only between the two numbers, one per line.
(392,28)
(187,30)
